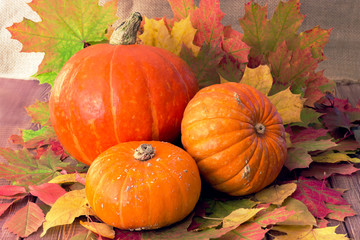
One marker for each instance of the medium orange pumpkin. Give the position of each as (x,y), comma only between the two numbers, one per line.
(143,185)
(107,93)
(236,137)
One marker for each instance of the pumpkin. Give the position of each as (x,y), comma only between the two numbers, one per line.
(143,185)
(108,93)
(236,137)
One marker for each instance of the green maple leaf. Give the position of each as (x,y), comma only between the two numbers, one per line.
(39,112)
(66,27)
(24,169)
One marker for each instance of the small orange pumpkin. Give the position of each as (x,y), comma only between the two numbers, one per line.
(143,185)
(236,137)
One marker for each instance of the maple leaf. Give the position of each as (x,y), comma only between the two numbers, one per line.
(203,65)
(39,112)
(276,194)
(316,87)
(182,8)
(288,105)
(216,210)
(47,192)
(315,39)
(25,221)
(24,169)
(207,20)
(233,45)
(102,229)
(297,158)
(306,134)
(302,215)
(239,216)
(334,157)
(259,78)
(254,229)
(340,212)
(61,34)
(308,233)
(290,68)
(67,207)
(157,34)
(179,231)
(324,170)
(314,194)
(67,178)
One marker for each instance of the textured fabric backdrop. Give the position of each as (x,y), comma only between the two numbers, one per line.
(342,51)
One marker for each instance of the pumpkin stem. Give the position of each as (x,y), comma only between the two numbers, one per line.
(144,152)
(260,128)
(125,34)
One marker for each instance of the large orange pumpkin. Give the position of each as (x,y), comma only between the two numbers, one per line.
(236,136)
(143,185)
(107,93)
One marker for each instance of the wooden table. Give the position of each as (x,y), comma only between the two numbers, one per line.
(17,94)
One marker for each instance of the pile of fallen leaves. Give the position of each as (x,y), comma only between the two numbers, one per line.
(323,133)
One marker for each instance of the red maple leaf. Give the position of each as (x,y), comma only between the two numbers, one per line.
(314,194)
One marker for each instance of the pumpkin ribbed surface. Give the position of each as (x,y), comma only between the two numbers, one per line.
(143,194)
(236,137)
(106,94)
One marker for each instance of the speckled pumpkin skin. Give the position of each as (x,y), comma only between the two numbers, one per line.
(106,94)
(132,194)
(219,132)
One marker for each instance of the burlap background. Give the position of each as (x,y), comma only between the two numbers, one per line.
(342,51)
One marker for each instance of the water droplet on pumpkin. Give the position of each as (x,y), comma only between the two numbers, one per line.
(127,188)
(102,205)
(149,164)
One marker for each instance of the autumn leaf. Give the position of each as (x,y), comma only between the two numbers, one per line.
(314,194)
(182,8)
(306,134)
(256,229)
(302,215)
(25,221)
(239,216)
(276,194)
(259,78)
(88,235)
(64,211)
(297,158)
(204,65)
(61,34)
(340,212)
(288,105)
(207,20)
(324,170)
(217,210)
(101,229)
(23,169)
(11,190)
(315,39)
(312,145)
(157,34)
(316,87)
(334,157)
(5,206)
(47,192)
(308,233)
(179,231)
(67,178)
(233,45)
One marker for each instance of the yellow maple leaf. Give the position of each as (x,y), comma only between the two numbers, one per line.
(276,194)
(288,105)
(259,78)
(240,216)
(307,232)
(100,228)
(157,34)
(64,211)
(302,215)
(67,178)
